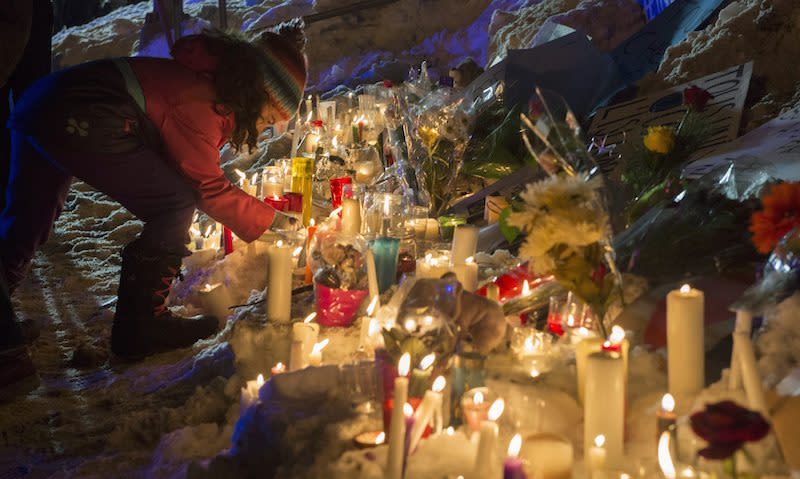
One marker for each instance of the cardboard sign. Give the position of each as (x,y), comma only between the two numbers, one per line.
(774,146)
(629,119)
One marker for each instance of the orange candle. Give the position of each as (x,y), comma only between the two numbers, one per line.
(311,230)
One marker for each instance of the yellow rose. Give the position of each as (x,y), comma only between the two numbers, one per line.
(660,139)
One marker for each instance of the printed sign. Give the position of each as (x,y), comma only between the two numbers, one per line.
(774,146)
(628,120)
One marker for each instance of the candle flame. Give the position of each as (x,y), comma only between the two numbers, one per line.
(570,320)
(599,440)
(374,327)
(408,411)
(497,409)
(317,349)
(373,305)
(275,197)
(617,335)
(668,403)
(427,320)
(428,257)
(279,244)
(404,365)
(526,288)
(470,260)
(478,398)
(310,318)
(427,361)
(312,222)
(410,325)
(380,438)
(309,98)
(255,178)
(450,431)
(685,289)
(335,142)
(280,366)
(439,384)
(583,332)
(514,446)
(335,212)
(241,174)
(529,346)
(297,251)
(535,373)
(260,380)
(664,457)
(208,231)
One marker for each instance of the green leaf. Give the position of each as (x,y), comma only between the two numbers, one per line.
(510,233)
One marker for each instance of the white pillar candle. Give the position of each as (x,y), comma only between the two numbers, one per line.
(215,300)
(486,459)
(272,189)
(548,456)
(397,428)
(372,275)
(604,407)
(427,411)
(315,357)
(744,325)
(596,456)
(298,359)
(351,216)
(279,288)
(467,274)
(307,332)
(465,243)
(250,393)
(685,343)
(746,358)
(582,351)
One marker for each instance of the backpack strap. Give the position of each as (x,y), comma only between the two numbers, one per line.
(131,82)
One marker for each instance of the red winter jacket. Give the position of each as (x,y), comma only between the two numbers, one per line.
(179,99)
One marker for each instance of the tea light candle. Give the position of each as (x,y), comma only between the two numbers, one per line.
(279,288)
(467,274)
(512,465)
(370,439)
(397,433)
(215,300)
(279,203)
(465,243)
(315,358)
(485,459)
(604,407)
(250,393)
(685,342)
(279,368)
(475,406)
(434,264)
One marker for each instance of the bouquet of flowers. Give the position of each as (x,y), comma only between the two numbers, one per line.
(564,217)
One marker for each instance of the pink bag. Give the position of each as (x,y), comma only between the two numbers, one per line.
(337,307)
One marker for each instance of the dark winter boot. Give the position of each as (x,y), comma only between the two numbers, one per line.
(17,372)
(142,324)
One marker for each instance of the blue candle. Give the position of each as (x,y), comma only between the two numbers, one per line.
(386,251)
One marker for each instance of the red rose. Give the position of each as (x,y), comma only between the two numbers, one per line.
(599,274)
(388,84)
(726,426)
(696,98)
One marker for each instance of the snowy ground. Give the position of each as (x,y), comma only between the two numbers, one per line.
(95,417)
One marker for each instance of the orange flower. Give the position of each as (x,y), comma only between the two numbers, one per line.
(780,213)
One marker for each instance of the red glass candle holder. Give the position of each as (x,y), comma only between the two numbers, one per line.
(278,202)
(337,189)
(386,370)
(295,201)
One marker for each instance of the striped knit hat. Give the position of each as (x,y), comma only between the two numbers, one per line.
(284,66)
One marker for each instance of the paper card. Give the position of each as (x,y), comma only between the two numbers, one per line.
(629,119)
(643,51)
(774,146)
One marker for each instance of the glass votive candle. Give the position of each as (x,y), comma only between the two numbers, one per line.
(434,264)
(366,163)
(475,405)
(273,181)
(280,203)
(295,200)
(383,215)
(337,189)
(447,225)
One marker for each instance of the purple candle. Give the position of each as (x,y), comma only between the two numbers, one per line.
(512,465)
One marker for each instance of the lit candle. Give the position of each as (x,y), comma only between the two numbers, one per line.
(597,456)
(475,407)
(297,356)
(272,182)
(408,414)
(250,393)
(604,407)
(279,368)
(465,243)
(665,416)
(351,216)
(583,349)
(665,461)
(685,343)
(370,439)
(420,376)
(428,411)
(306,331)
(367,323)
(311,230)
(467,274)
(372,275)
(512,465)
(279,203)
(485,460)
(215,300)
(279,288)
(744,325)
(315,358)
(434,264)
(397,433)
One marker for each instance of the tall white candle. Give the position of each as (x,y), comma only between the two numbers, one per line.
(298,358)
(351,216)
(596,456)
(467,274)
(465,243)
(685,343)
(746,358)
(604,407)
(486,462)
(372,275)
(279,288)
(744,325)
(427,411)
(367,323)
(582,351)
(397,428)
